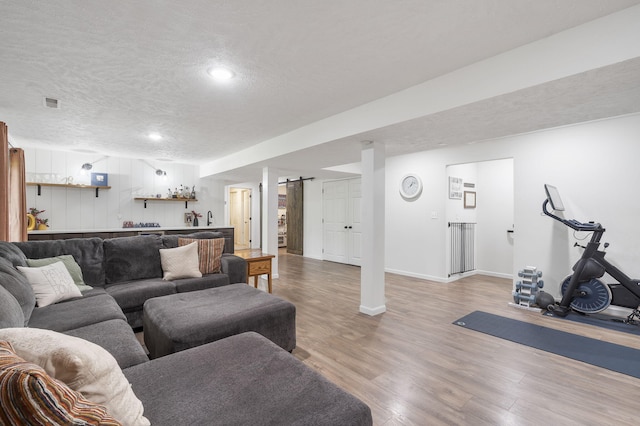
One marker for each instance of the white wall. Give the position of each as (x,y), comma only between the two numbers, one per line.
(593,164)
(78,209)
(312,219)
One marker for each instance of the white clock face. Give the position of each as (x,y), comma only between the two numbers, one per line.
(410,186)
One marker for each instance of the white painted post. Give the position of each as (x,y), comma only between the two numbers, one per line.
(372,299)
(270,216)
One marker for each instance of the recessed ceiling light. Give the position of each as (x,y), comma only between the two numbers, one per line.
(220,74)
(155,136)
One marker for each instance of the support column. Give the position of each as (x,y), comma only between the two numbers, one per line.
(372,299)
(269,223)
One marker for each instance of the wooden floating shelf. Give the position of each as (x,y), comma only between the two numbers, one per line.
(66,185)
(145,199)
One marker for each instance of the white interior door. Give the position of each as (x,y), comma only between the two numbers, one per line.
(342,230)
(335,223)
(246,218)
(239,216)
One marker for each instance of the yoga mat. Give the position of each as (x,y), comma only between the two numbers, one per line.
(621,359)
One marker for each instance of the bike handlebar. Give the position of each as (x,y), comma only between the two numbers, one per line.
(572,223)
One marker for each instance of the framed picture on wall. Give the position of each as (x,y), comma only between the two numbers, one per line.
(469,199)
(455,188)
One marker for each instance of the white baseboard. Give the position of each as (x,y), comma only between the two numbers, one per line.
(373,311)
(414,275)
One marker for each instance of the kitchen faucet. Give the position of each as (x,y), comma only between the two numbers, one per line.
(209,217)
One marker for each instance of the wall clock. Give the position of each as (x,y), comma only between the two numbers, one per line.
(410,186)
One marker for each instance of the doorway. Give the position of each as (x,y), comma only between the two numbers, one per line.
(482,194)
(240,216)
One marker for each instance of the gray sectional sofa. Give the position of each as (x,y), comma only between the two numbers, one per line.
(129,268)
(242,379)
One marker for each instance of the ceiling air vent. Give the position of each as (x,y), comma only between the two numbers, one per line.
(51,103)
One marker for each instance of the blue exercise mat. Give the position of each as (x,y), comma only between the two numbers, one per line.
(613,357)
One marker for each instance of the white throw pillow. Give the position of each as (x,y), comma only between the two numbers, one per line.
(83,366)
(180,262)
(51,283)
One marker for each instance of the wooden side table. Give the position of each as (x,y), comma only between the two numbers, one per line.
(258,263)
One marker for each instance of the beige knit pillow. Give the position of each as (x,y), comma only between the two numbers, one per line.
(180,262)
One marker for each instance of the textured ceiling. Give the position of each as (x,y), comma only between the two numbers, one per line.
(122,69)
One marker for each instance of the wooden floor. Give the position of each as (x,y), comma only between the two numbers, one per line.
(413,367)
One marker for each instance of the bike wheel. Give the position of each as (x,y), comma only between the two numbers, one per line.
(595,296)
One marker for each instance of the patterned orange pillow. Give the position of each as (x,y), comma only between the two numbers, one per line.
(30,396)
(209,253)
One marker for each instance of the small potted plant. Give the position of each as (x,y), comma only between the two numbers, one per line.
(35,222)
(196,215)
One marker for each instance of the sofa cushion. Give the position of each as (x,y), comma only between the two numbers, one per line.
(207,281)
(241,380)
(209,253)
(76,313)
(132,258)
(33,397)
(117,337)
(11,314)
(87,252)
(12,253)
(69,262)
(16,284)
(51,283)
(83,366)
(131,295)
(180,262)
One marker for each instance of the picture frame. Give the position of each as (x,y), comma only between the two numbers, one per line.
(99,179)
(282,201)
(455,188)
(188,218)
(469,199)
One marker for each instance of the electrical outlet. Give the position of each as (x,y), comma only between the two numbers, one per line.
(434,215)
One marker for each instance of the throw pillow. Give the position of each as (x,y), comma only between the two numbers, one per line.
(30,396)
(83,366)
(180,262)
(69,262)
(51,283)
(209,253)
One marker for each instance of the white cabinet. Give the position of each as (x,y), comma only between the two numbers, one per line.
(342,225)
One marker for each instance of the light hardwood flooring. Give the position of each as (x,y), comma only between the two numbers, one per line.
(412,366)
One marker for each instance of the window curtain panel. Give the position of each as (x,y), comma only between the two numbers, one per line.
(4,183)
(17,196)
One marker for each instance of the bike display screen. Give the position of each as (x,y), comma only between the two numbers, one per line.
(554,197)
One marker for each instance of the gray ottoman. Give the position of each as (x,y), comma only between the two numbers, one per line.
(180,321)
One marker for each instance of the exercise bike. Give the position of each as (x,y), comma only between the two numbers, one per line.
(583,291)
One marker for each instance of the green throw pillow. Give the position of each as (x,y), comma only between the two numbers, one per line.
(69,263)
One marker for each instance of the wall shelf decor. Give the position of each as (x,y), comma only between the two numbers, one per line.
(145,199)
(66,185)
(469,199)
